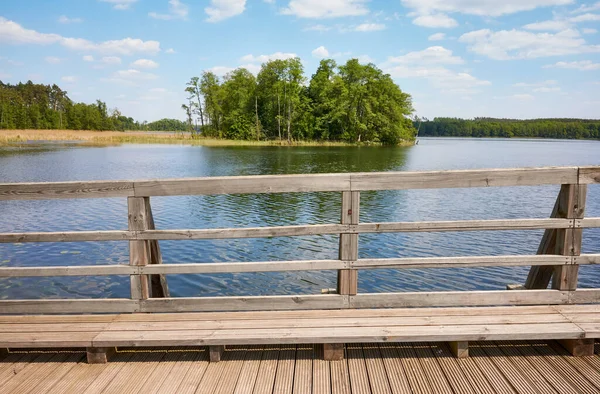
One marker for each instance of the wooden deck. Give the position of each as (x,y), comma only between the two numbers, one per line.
(494,367)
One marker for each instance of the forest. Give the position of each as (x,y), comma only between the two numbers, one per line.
(37,106)
(509,128)
(351,102)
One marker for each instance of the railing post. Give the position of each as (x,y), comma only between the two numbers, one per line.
(138,250)
(348,278)
(158,283)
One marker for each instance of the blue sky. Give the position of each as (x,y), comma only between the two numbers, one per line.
(463,58)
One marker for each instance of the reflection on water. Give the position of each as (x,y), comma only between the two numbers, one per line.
(197,212)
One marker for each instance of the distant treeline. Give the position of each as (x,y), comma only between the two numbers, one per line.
(37,106)
(509,128)
(351,102)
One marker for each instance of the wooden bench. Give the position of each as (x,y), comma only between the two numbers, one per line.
(575,326)
(342,315)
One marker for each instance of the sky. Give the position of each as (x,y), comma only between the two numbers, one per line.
(457,58)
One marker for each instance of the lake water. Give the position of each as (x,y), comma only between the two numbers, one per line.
(56,163)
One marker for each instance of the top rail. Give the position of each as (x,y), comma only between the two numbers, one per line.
(302,183)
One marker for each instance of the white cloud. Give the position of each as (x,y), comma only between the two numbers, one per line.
(589,31)
(481,7)
(437,37)
(222,9)
(523,97)
(583,65)
(550,82)
(266,58)
(431,55)
(158,90)
(13,33)
(587,8)
(365,59)
(111,60)
(120,4)
(546,89)
(69,79)
(435,21)
(88,58)
(370,27)
(586,18)
(320,28)
(131,77)
(517,44)
(144,63)
(320,52)
(65,19)
(253,68)
(325,8)
(551,25)
(221,70)
(177,10)
(52,59)
(170,51)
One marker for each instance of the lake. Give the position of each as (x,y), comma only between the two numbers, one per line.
(69,163)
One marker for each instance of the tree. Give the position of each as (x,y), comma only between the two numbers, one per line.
(193,88)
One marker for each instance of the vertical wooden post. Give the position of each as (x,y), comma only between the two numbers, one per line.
(460,349)
(99,355)
(3,353)
(579,347)
(570,204)
(215,353)
(138,250)
(158,283)
(348,279)
(333,351)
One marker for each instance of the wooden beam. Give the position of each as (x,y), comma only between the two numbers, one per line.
(138,250)
(215,353)
(61,190)
(81,270)
(333,351)
(158,283)
(578,347)
(468,261)
(113,305)
(348,279)
(589,175)
(67,236)
(3,353)
(99,355)
(460,349)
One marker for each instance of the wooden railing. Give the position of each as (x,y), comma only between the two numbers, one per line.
(558,257)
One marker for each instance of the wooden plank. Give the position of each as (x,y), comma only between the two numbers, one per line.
(490,371)
(459,349)
(58,374)
(468,225)
(135,373)
(340,380)
(195,374)
(138,250)
(357,369)
(303,374)
(243,185)
(158,283)
(160,374)
(347,283)
(267,266)
(60,190)
(113,305)
(470,261)
(414,372)
(249,372)
(394,369)
(584,296)
(462,178)
(91,378)
(323,301)
(67,236)
(376,370)
(589,175)
(459,298)
(321,373)
(519,381)
(84,270)
(15,363)
(265,380)
(211,376)
(284,379)
(177,374)
(451,369)
(580,364)
(232,372)
(587,223)
(33,373)
(432,369)
(46,339)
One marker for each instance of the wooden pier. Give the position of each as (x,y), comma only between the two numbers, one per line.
(382,342)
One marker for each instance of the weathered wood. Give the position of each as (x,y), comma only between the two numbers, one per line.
(578,347)
(589,175)
(100,355)
(267,266)
(158,283)
(584,296)
(463,178)
(138,250)
(215,353)
(459,349)
(60,190)
(113,305)
(470,261)
(568,241)
(333,351)
(3,353)
(244,184)
(84,270)
(348,279)
(67,236)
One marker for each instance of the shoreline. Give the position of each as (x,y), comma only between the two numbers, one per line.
(105,138)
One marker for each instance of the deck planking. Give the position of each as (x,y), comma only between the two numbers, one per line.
(494,367)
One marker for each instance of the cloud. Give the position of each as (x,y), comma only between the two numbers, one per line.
(120,4)
(550,82)
(52,59)
(266,58)
(523,97)
(13,33)
(220,70)
(481,8)
(370,27)
(144,63)
(320,52)
(111,60)
(158,90)
(587,8)
(586,18)
(65,19)
(69,79)
(325,8)
(582,65)
(517,44)
(223,9)
(320,28)
(170,51)
(88,58)
(365,59)
(435,20)
(551,25)
(431,55)
(437,37)
(589,31)
(177,10)
(130,77)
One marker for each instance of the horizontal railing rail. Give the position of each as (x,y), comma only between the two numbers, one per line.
(558,257)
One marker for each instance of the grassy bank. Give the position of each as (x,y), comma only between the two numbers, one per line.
(83,137)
